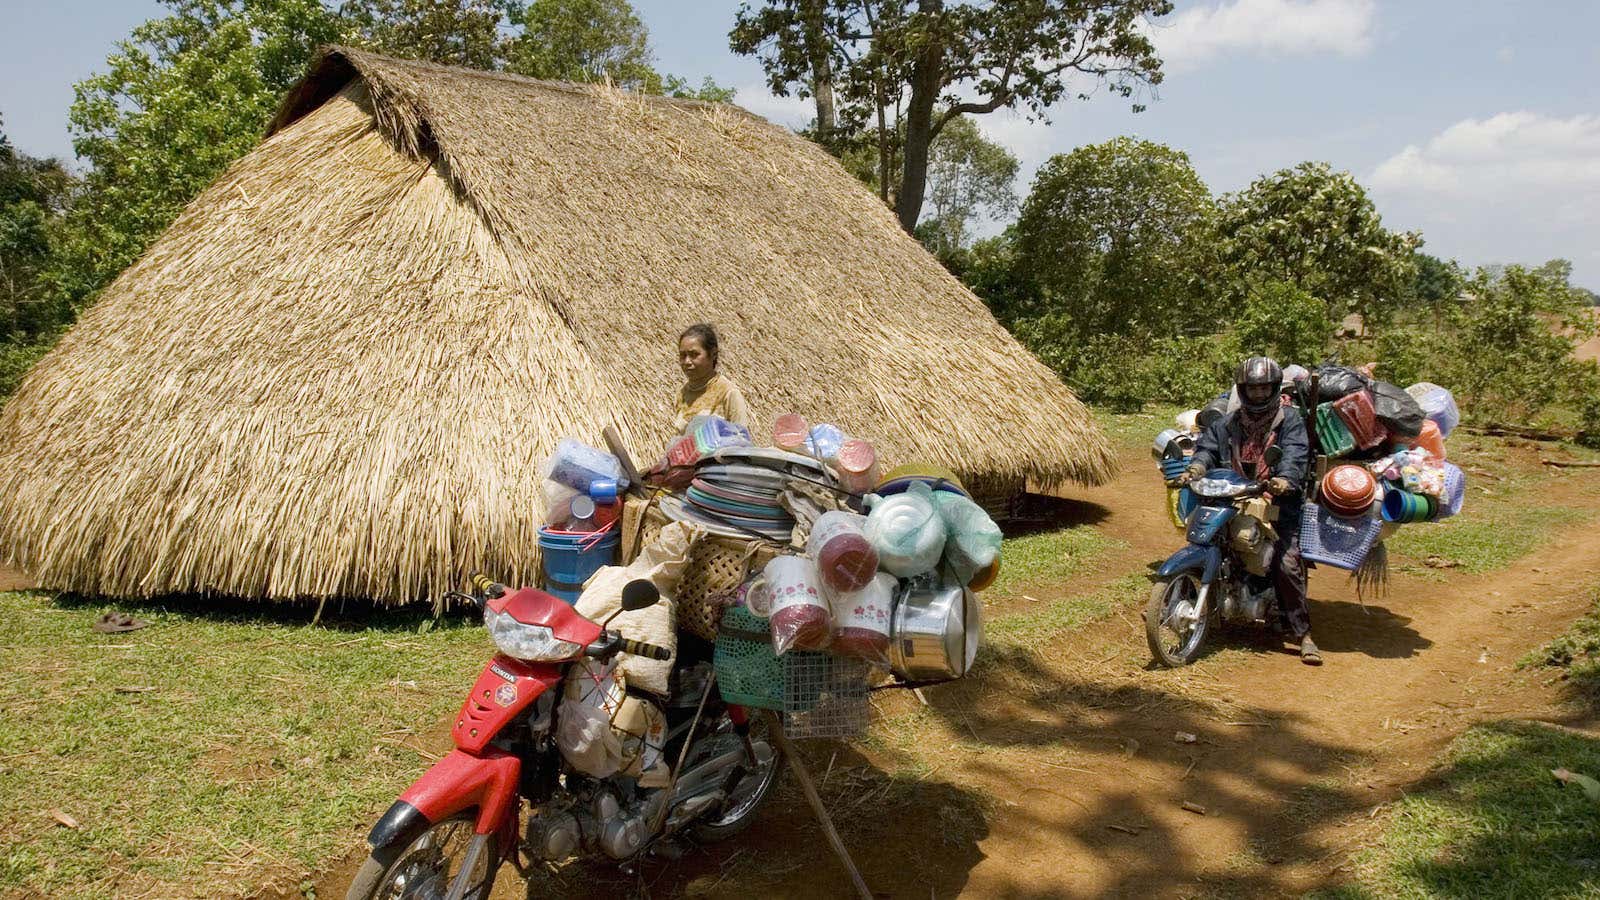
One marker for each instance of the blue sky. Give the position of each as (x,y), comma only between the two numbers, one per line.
(1476,123)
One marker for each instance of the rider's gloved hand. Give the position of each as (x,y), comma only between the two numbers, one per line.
(1189,474)
(1278,486)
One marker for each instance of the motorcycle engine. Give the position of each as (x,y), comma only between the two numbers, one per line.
(605,822)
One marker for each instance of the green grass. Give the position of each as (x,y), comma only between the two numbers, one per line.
(1578,652)
(254,746)
(1049,558)
(1492,823)
(1049,619)
(1136,431)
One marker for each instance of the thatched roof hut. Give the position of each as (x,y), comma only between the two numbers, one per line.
(337,372)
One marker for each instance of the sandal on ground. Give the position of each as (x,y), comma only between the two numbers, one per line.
(1309,653)
(115,622)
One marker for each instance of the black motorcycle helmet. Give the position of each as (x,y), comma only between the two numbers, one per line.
(1258,379)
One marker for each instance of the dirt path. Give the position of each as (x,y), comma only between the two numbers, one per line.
(1056,773)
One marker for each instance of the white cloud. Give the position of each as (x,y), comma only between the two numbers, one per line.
(1271,28)
(1505,54)
(1514,150)
(790,111)
(1513,187)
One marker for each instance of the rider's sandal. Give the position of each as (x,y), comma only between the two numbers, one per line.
(1308,652)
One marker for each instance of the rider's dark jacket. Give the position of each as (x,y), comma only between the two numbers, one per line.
(1216,446)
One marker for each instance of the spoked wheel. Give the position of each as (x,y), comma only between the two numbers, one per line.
(428,867)
(1172,623)
(752,790)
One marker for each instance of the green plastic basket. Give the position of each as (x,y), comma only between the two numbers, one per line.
(749,673)
(1332,434)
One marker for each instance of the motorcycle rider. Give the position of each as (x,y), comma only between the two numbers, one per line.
(1239,441)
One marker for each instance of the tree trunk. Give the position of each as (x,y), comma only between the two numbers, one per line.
(821,69)
(926,80)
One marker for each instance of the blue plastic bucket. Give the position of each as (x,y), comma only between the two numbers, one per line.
(568,559)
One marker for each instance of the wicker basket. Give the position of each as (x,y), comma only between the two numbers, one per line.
(717,566)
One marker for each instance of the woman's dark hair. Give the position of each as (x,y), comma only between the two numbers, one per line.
(706,335)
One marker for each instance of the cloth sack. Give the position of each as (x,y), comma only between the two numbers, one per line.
(661,561)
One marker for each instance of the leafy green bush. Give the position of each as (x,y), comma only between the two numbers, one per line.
(1405,353)
(16,360)
(1284,322)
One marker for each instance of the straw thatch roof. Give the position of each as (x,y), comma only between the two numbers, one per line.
(338,370)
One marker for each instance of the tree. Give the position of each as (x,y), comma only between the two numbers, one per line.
(930,62)
(1110,234)
(968,176)
(454,32)
(1437,281)
(1503,359)
(1284,322)
(1315,229)
(583,40)
(183,97)
(33,195)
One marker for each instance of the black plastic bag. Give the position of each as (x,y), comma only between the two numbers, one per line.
(1397,410)
(1339,381)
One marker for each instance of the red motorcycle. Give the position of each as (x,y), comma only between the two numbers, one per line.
(448,834)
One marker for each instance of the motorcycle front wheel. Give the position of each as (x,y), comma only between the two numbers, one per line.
(425,868)
(1174,632)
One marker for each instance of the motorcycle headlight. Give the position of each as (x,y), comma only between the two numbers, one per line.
(532,643)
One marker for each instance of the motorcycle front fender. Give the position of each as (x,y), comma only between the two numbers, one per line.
(486,782)
(1194,557)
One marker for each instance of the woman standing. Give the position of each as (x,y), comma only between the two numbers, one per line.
(706,391)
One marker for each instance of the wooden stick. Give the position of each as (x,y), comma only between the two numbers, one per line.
(810,790)
(1570,464)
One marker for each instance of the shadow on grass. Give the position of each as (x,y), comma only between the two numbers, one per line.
(1493,823)
(338,615)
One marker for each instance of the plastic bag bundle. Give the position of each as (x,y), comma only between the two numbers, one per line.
(557,502)
(845,559)
(1397,410)
(712,433)
(788,590)
(577,465)
(973,539)
(906,530)
(1339,381)
(602,730)
(1438,404)
(861,620)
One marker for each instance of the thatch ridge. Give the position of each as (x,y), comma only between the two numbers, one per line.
(337,371)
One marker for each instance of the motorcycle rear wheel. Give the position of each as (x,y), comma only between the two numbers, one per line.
(424,869)
(1174,639)
(748,795)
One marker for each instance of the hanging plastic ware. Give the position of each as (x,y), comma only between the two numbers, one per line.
(1356,411)
(1403,506)
(1349,490)
(861,620)
(1430,440)
(1438,404)
(789,432)
(824,441)
(1455,491)
(857,465)
(973,539)
(800,616)
(845,558)
(906,530)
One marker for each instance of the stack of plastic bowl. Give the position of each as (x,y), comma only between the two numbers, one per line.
(1349,491)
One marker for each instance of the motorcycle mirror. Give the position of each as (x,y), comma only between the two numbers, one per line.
(639,594)
(1273,456)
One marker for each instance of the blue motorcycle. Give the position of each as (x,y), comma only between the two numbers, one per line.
(1221,575)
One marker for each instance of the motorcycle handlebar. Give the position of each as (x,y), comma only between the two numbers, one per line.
(611,643)
(640,648)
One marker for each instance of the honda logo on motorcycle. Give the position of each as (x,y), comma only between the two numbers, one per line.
(505,694)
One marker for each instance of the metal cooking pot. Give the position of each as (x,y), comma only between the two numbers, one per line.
(933,632)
